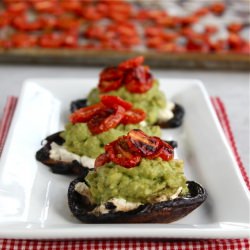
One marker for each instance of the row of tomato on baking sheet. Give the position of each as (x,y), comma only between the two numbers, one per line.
(103,24)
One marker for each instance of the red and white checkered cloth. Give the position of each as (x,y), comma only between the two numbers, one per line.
(126,244)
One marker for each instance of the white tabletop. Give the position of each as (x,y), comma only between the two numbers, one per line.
(232,87)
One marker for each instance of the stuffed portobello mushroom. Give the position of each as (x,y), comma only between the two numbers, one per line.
(136,180)
(76,148)
(133,81)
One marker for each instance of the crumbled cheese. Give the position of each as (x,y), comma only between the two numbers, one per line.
(120,205)
(167,113)
(165,198)
(174,196)
(59,153)
(88,162)
(123,205)
(143,123)
(82,189)
(100,210)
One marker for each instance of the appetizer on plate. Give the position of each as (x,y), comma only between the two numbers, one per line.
(91,128)
(133,81)
(136,180)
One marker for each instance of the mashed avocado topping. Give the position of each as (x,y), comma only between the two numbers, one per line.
(79,140)
(145,183)
(151,101)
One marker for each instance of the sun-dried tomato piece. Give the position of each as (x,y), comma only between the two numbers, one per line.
(188,20)
(68,23)
(22,40)
(90,13)
(114,101)
(17,8)
(235,27)
(119,153)
(131,63)
(155,42)
(111,44)
(110,79)
(71,6)
(153,31)
(70,39)
(154,15)
(6,44)
(129,42)
(51,40)
(235,41)
(172,47)
(48,22)
(102,8)
(119,10)
(126,29)
(217,8)
(245,49)
(170,37)
(85,114)
(147,145)
(133,116)
(95,32)
(188,32)
(210,29)
(21,23)
(102,160)
(218,46)
(138,80)
(46,6)
(4,19)
(201,12)
(166,152)
(127,151)
(198,44)
(105,119)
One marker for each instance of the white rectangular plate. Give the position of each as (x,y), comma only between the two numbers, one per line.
(33,201)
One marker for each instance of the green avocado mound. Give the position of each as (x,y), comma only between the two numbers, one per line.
(151,101)
(79,140)
(143,183)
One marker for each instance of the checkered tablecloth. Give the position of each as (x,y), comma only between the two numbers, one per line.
(126,244)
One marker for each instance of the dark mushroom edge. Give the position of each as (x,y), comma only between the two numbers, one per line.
(77,104)
(161,212)
(58,167)
(175,122)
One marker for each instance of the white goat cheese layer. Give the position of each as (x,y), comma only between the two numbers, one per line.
(119,203)
(167,113)
(60,153)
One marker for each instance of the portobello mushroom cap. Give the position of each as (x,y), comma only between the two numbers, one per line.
(175,122)
(58,167)
(61,167)
(161,212)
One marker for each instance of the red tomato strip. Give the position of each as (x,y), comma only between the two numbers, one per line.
(113,101)
(105,119)
(118,152)
(109,113)
(85,114)
(133,116)
(127,151)
(101,160)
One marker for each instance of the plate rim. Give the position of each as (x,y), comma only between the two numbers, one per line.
(50,233)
